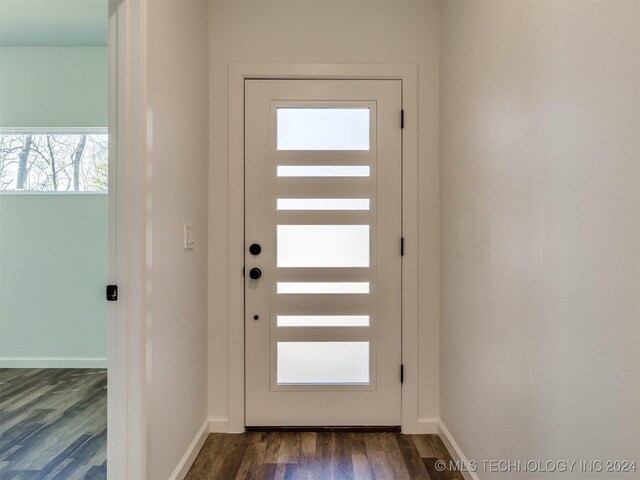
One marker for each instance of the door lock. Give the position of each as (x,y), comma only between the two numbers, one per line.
(255,249)
(112,293)
(255,273)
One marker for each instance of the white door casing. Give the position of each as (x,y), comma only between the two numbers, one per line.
(126,395)
(279,392)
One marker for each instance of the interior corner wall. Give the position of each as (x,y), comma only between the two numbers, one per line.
(540,152)
(324,32)
(178,149)
(54,87)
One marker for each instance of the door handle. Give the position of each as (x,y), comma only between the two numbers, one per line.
(255,273)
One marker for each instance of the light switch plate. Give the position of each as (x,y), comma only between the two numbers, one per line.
(188,237)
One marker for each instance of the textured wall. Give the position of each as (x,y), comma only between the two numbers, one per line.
(540,231)
(178,111)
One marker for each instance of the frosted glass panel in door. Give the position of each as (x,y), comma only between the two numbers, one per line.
(323,362)
(323,204)
(337,288)
(323,171)
(323,129)
(323,246)
(323,320)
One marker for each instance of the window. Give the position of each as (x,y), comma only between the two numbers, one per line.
(323,128)
(323,171)
(323,362)
(54,162)
(322,246)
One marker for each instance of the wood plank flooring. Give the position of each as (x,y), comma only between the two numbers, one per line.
(321,455)
(53,424)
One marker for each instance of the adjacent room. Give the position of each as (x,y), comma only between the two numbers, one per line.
(54,237)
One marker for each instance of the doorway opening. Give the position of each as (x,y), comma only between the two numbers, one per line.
(54,238)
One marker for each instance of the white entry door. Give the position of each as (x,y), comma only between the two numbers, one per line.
(323,252)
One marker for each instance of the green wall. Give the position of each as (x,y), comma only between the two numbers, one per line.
(53,87)
(53,247)
(53,271)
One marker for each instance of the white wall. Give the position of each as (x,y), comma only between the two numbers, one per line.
(324,32)
(57,87)
(178,110)
(540,149)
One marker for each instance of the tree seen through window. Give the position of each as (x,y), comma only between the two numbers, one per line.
(54,162)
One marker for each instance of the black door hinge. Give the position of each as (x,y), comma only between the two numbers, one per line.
(401,373)
(401,118)
(402,247)
(243,271)
(112,293)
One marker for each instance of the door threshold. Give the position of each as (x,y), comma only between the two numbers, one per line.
(340,429)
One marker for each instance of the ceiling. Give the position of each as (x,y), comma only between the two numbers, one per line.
(60,23)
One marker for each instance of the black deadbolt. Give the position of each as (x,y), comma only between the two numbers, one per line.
(255,273)
(255,249)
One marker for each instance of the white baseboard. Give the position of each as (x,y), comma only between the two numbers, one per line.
(219,425)
(53,362)
(455,451)
(192,452)
(427,425)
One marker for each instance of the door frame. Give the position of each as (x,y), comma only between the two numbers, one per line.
(127,329)
(408,75)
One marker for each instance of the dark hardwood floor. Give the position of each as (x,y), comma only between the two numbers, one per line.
(53,424)
(321,455)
